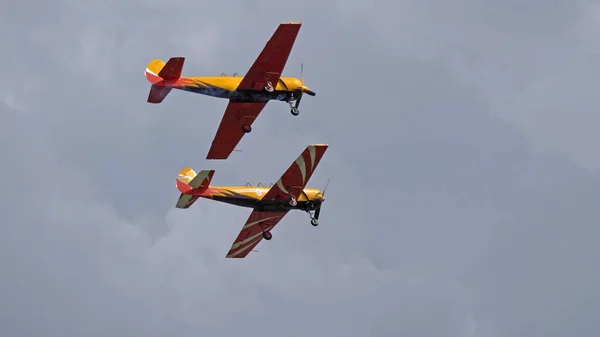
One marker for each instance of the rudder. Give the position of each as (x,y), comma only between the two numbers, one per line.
(172,70)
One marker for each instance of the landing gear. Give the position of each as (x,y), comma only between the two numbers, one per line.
(246,128)
(294,107)
(313,219)
(267,235)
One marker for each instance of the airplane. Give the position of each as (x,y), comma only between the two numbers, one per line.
(269,204)
(247,95)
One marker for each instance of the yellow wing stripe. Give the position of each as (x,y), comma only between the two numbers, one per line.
(248,225)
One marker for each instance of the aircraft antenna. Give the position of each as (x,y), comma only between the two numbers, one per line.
(302,72)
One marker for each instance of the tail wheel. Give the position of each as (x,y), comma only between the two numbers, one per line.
(267,235)
(246,128)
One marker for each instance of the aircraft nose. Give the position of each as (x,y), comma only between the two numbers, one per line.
(307,91)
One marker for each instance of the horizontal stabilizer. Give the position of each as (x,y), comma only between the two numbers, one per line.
(186,200)
(158,93)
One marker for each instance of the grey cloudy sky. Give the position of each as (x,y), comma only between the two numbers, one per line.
(465,176)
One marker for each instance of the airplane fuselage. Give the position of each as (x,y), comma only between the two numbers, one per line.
(251,197)
(226,87)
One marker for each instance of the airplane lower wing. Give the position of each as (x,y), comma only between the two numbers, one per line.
(291,183)
(236,117)
(252,232)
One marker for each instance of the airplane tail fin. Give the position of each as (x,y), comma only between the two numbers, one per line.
(188,182)
(159,74)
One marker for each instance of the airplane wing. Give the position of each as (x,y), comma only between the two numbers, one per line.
(252,232)
(271,61)
(230,130)
(292,182)
(266,68)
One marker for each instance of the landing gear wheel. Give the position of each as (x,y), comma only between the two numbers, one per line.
(267,235)
(246,128)
(314,222)
(293,202)
(295,111)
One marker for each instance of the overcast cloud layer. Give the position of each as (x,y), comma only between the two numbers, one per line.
(464,191)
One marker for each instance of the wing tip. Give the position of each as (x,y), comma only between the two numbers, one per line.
(233,255)
(319,145)
(215,157)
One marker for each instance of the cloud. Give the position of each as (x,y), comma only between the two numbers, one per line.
(534,63)
(73,266)
(440,219)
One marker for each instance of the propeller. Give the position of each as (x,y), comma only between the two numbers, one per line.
(325,189)
(318,211)
(305,90)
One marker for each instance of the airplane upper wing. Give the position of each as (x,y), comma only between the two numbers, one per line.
(294,180)
(271,61)
(230,130)
(252,232)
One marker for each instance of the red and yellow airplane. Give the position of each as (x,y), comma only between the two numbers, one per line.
(247,95)
(269,204)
